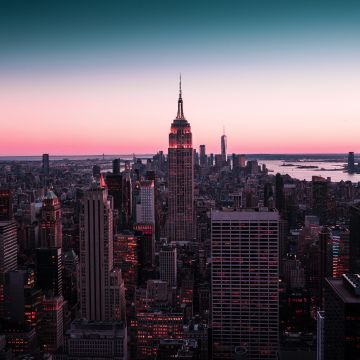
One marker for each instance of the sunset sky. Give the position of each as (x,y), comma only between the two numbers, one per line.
(93,77)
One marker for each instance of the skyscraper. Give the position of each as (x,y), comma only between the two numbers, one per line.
(279,193)
(181,178)
(50,223)
(320,198)
(351,162)
(116,166)
(245,283)
(8,246)
(96,254)
(45,164)
(355,239)
(203,158)
(168,265)
(145,211)
(224,146)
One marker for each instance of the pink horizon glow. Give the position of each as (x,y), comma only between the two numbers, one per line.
(282,112)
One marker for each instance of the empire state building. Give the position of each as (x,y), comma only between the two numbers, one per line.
(181,178)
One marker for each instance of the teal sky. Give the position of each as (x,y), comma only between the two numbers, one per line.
(120,51)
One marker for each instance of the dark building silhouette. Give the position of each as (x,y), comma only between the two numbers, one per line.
(279,192)
(325,265)
(320,198)
(342,314)
(116,166)
(96,171)
(45,164)
(5,205)
(268,193)
(49,270)
(351,162)
(355,239)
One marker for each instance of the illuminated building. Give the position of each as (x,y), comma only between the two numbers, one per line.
(6,213)
(340,252)
(245,283)
(50,223)
(49,270)
(45,164)
(152,327)
(96,254)
(145,211)
(51,326)
(180,178)
(94,340)
(22,299)
(8,246)
(342,318)
(20,338)
(146,243)
(168,265)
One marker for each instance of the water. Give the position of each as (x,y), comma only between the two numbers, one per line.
(326,169)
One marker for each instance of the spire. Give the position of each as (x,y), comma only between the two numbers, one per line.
(180,113)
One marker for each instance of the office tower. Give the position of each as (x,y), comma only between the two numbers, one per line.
(146,244)
(20,338)
(320,198)
(342,313)
(168,265)
(126,258)
(116,166)
(279,193)
(145,211)
(355,239)
(224,146)
(45,164)
(22,299)
(211,160)
(94,340)
(96,171)
(51,326)
(320,323)
(50,222)
(268,193)
(117,295)
(49,270)
(325,245)
(71,278)
(96,254)
(203,158)
(5,205)
(180,178)
(196,158)
(351,162)
(114,184)
(340,252)
(8,246)
(127,207)
(152,327)
(220,161)
(245,283)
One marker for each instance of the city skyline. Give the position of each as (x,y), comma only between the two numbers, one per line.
(282,78)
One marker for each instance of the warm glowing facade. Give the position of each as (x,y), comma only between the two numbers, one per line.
(181,178)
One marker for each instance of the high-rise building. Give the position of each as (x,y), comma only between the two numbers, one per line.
(5,205)
(145,244)
(203,158)
(116,166)
(320,198)
(168,265)
(51,326)
(96,254)
(351,162)
(45,164)
(342,314)
(320,320)
(355,239)
(50,222)
(325,260)
(145,211)
(8,246)
(245,283)
(279,193)
(49,270)
(180,178)
(224,145)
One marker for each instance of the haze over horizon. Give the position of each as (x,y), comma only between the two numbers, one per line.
(88,78)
